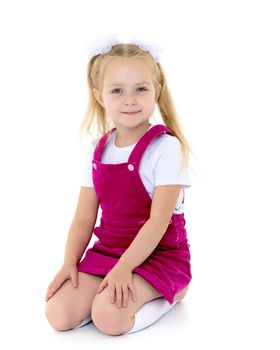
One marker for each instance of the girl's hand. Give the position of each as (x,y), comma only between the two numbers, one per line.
(119,282)
(66,272)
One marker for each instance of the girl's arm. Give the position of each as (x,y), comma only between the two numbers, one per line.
(80,231)
(163,203)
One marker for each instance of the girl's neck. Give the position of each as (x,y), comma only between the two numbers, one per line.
(127,137)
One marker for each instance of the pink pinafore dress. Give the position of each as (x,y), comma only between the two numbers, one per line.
(126,206)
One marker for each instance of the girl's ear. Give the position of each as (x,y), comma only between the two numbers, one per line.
(97,95)
(158,92)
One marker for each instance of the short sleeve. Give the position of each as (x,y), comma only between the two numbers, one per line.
(168,162)
(86,166)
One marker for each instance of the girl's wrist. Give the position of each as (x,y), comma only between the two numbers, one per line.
(70,262)
(123,266)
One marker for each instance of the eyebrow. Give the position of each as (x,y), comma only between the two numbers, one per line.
(117,84)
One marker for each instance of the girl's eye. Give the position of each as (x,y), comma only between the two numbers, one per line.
(115,90)
(142,89)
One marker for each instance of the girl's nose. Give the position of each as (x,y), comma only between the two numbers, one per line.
(130,99)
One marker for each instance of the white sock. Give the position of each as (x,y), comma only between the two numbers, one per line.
(150,313)
(84,322)
(145,316)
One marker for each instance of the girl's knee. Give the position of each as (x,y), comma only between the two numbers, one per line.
(109,319)
(59,316)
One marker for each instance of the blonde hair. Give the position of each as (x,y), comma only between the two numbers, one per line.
(95,115)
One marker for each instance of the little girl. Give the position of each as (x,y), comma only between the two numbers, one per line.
(139,267)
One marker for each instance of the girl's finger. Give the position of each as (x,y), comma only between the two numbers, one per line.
(125,297)
(74,278)
(133,291)
(47,296)
(119,296)
(55,286)
(49,288)
(52,291)
(102,285)
(111,292)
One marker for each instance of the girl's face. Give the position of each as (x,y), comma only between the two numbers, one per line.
(128,93)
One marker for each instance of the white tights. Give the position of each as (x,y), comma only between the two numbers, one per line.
(146,315)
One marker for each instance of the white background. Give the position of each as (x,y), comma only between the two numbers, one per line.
(222,63)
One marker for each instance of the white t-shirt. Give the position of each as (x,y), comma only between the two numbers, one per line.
(159,165)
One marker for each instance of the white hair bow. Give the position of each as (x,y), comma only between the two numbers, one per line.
(100,46)
(153,48)
(105,43)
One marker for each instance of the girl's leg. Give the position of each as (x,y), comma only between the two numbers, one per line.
(153,310)
(115,321)
(70,306)
(148,308)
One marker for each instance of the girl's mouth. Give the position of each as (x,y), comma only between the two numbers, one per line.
(131,113)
